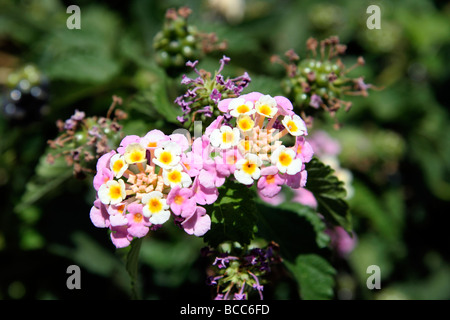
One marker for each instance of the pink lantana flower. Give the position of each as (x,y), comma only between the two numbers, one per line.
(305,197)
(153,139)
(99,215)
(181,201)
(198,223)
(138,224)
(269,185)
(103,175)
(126,141)
(203,195)
(120,236)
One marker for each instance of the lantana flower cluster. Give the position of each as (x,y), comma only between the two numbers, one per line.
(250,148)
(149,179)
(145,182)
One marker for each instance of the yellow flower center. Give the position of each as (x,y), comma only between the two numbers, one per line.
(231,159)
(137,217)
(115,192)
(285,159)
(118,165)
(166,157)
(152,144)
(136,156)
(246,123)
(249,167)
(227,137)
(243,108)
(270,179)
(174,176)
(265,110)
(178,199)
(292,126)
(154,205)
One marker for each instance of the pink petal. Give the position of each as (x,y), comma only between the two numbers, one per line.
(285,106)
(120,237)
(197,224)
(305,197)
(252,96)
(223,104)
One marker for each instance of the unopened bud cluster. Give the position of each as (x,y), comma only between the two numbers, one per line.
(83,140)
(179,42)
(319,82)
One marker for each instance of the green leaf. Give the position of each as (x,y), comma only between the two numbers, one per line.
(329,193)
(293,227)
(84,55)
(48,177)
(314,275)
(322,239)
(154,100)
(233,215)
(132,265)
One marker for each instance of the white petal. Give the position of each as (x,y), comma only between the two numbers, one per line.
(160,217)
(242,177)
(294,167)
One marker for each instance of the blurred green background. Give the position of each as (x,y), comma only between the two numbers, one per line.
(395,142)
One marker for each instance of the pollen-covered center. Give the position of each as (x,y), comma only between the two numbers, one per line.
(118,165)
(285,159)
(178,199)
(120,208)
(292,126)
(115,192)
(152,144)
(227,137)
(249,167)
(231,159)
(243,108)
(136,156)
(166,157)
(137,217)
(245,124)
(270,179)
(154,205)
(265,110)
(174,176)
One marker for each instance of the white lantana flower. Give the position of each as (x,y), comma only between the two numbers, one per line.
(155,207)
(294,125)
(239,106)
(285,160)
(176,176)
(225,137)
(167,156)
(248,169)
(112,192)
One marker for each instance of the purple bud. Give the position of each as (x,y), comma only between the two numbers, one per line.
(78,115)
(192,64)
(215,95)
(316,101)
